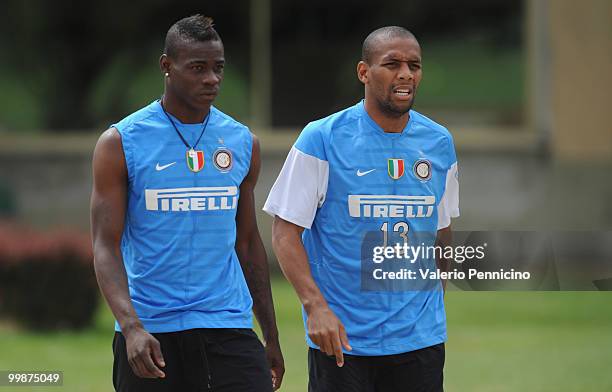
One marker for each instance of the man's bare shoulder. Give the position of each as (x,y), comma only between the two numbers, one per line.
(109,140)
(108,153)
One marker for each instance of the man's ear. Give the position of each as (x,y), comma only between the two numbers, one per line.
(362,71)
(164,64)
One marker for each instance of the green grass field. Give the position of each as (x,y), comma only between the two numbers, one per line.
(505,341)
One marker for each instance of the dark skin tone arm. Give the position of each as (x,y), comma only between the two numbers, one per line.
(253,259)
(443,239)
(108,207)
(324,327)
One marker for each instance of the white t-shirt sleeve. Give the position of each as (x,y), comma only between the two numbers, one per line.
(449,203)
(299,189)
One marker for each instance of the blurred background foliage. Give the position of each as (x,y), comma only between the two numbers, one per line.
(70,65)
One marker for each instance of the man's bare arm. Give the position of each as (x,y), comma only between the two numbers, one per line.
(253,259)
(324,328)
(108,207)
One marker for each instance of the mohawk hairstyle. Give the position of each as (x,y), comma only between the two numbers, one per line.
(383,33)
(195,28)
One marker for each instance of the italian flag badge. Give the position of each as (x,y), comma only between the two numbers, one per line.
(195,160)
(395,167)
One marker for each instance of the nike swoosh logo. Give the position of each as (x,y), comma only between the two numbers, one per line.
(360,173)
(160,168)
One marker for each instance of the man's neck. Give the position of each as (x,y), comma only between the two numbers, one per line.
(183,112)
(389,123)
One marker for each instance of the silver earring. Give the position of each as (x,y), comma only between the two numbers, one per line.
(167,74)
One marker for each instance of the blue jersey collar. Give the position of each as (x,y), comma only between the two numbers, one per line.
(363,113)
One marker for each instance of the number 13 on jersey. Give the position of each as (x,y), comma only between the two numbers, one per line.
(399,228)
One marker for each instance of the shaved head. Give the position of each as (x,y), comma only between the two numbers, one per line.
(382,34)
(195,28)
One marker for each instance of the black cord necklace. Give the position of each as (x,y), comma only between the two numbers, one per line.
(195,158)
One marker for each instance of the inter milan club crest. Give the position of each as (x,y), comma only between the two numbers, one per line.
(422,169)
(223,159)
(195,160)
(395,168)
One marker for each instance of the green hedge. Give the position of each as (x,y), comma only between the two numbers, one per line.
(47,280)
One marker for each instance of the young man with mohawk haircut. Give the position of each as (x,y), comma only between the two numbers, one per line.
(175,234)
(379,168)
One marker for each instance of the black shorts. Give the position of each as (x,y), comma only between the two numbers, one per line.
(414,371)
(219,360)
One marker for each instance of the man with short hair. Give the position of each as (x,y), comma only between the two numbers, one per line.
(175,235)
(375,169)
